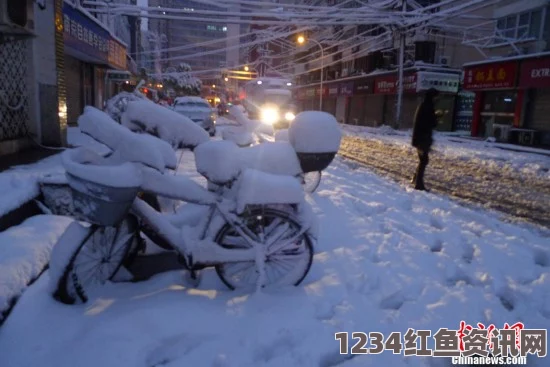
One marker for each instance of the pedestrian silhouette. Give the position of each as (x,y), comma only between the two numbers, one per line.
(424,123)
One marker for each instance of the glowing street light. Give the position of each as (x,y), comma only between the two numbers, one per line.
(246,68)
(226,79)
(213,85)
(302,40)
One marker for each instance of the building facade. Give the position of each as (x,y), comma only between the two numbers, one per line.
(32,104)
(91,50)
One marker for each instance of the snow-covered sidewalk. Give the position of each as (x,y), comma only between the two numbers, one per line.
(389,259)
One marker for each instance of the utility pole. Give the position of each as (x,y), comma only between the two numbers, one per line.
(402,41)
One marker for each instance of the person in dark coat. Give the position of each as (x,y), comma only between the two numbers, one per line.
(425,121)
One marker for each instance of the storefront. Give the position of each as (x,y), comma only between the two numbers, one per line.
(447,84)
(358,102)
(534,80)
(498,104)
(329,103)
(89,50)
(345,91)
(386,86)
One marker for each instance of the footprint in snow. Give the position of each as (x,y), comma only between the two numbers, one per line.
(542,258)
(436,246)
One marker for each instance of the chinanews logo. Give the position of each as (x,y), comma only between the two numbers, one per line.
(469,345)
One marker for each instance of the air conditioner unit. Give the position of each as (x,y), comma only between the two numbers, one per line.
(527,137)
(17,18)
(501,132)
(444,60)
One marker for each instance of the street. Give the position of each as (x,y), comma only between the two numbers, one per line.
(521,195)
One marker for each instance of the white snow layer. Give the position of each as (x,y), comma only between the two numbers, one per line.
(388,258)
(24,253)
(315,132)
(261,188)
(132,147)
(278,158)
(170,126)
(281,135)
(90,166)
(218,161)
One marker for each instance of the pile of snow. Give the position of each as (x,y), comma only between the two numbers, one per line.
(239,136)
(239,114)
(217,161)
(25,252)
(129,146)
(116,105)
(90,166)
(277,158)
(261,188)
(170,126)
(315,132)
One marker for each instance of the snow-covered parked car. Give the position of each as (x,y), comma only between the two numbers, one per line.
(198,110)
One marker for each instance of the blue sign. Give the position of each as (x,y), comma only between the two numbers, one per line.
(84,35)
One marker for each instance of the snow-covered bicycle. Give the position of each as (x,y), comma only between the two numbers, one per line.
(254,227)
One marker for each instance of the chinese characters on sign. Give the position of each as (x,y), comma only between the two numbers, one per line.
(85,36)
(510,344)
(490,76)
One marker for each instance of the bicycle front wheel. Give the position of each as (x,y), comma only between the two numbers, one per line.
(311,181)
(97,259)
(287,265)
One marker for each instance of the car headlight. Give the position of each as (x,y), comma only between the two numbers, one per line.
(289,116)
(269,115)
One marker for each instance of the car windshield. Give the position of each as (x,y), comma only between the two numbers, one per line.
(192,104)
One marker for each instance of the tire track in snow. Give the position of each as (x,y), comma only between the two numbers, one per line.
(515,193)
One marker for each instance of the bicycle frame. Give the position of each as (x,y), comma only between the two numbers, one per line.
(204,252)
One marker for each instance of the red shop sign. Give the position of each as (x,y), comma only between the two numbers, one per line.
(535,73)
(389,84)
(318,91)
(490,76)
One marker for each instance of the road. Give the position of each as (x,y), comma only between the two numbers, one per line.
(521,195)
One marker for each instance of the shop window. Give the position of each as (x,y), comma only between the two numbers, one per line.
(500,102)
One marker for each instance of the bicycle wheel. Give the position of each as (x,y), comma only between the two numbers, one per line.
(311,181)
(287,265)
(96,261)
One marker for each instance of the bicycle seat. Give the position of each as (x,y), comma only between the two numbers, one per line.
(278,158)
(217,161)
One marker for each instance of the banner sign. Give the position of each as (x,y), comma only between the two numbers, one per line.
(85,36)
(440,81)
(346,89)
(490,76)
(389,84)
(535,73)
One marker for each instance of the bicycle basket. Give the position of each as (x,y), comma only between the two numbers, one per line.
(100,204)
(102,194)
(312,162)
(57,194)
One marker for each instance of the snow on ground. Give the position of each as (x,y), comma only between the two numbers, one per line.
(25,252)
(456,145)
(389,258)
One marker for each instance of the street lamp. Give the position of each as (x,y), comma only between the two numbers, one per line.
(246,68)
(302,40)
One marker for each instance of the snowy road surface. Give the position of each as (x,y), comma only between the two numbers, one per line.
(389,259)
(521,193)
